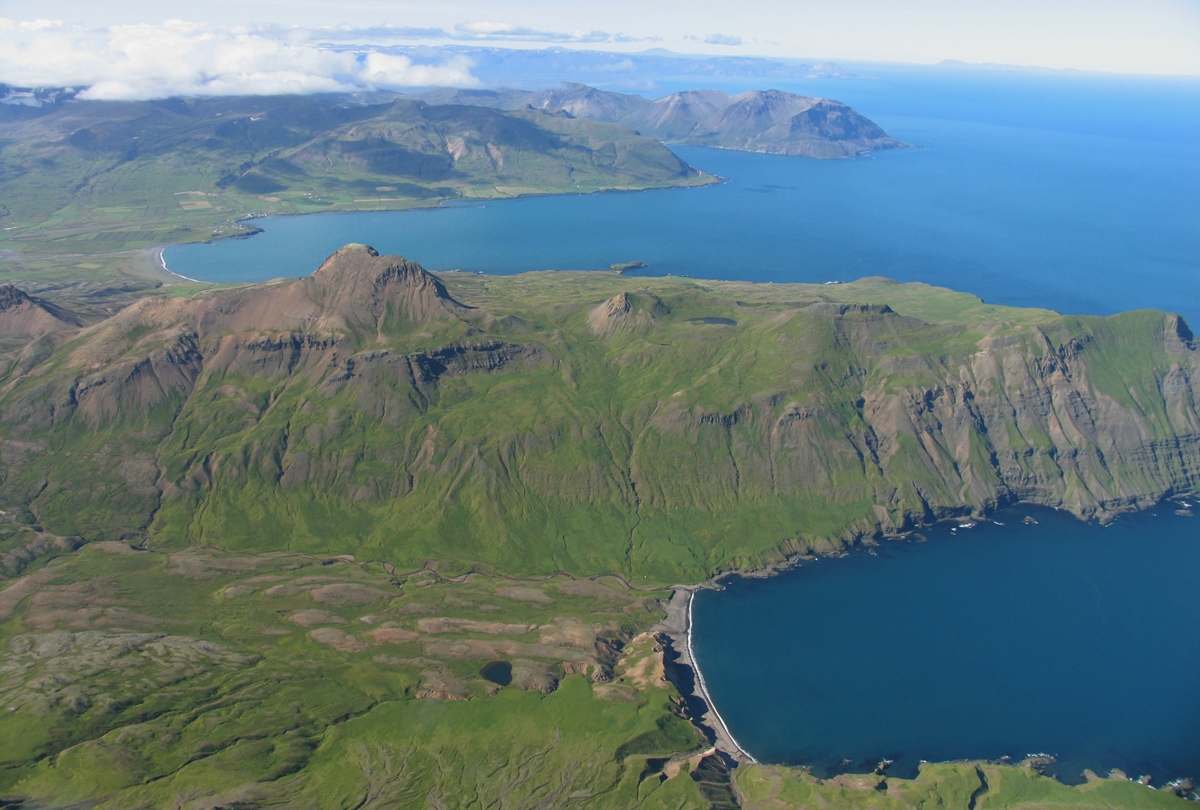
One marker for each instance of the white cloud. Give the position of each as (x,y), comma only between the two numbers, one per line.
(183,58)
(388,70)
(486,28)
(502,31)
(722,39)
(39,25)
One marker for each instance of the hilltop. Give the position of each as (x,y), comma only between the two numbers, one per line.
(30,316)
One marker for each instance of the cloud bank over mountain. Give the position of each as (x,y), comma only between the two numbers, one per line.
(182,58)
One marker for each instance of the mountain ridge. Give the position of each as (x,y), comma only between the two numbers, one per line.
(668,428)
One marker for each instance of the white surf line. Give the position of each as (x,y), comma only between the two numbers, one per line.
(704,688)
(162,260)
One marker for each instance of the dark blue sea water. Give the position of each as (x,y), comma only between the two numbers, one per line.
(1080,194)
(1064,638)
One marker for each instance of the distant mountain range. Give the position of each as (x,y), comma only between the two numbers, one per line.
(960,65)
(758,121)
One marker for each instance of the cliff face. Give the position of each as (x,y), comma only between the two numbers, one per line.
(665,431)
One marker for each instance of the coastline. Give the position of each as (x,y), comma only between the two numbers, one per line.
(433,204)
(677,627)
(703,687)
(162,263)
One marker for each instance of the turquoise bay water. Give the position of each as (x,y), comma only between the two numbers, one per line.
(1076,208)
(1066,638)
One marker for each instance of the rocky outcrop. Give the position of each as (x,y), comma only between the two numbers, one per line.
(355,289)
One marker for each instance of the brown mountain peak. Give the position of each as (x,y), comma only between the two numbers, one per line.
(359,285)
(24,314)
(11,296)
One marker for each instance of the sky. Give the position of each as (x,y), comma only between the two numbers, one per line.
(144,48)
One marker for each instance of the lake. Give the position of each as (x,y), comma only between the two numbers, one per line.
(1066,638)
(1070,206)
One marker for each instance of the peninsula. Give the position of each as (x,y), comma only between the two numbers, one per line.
(260,544)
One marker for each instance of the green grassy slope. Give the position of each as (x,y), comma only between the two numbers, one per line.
(98,177)
(136,679)
(544,430)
